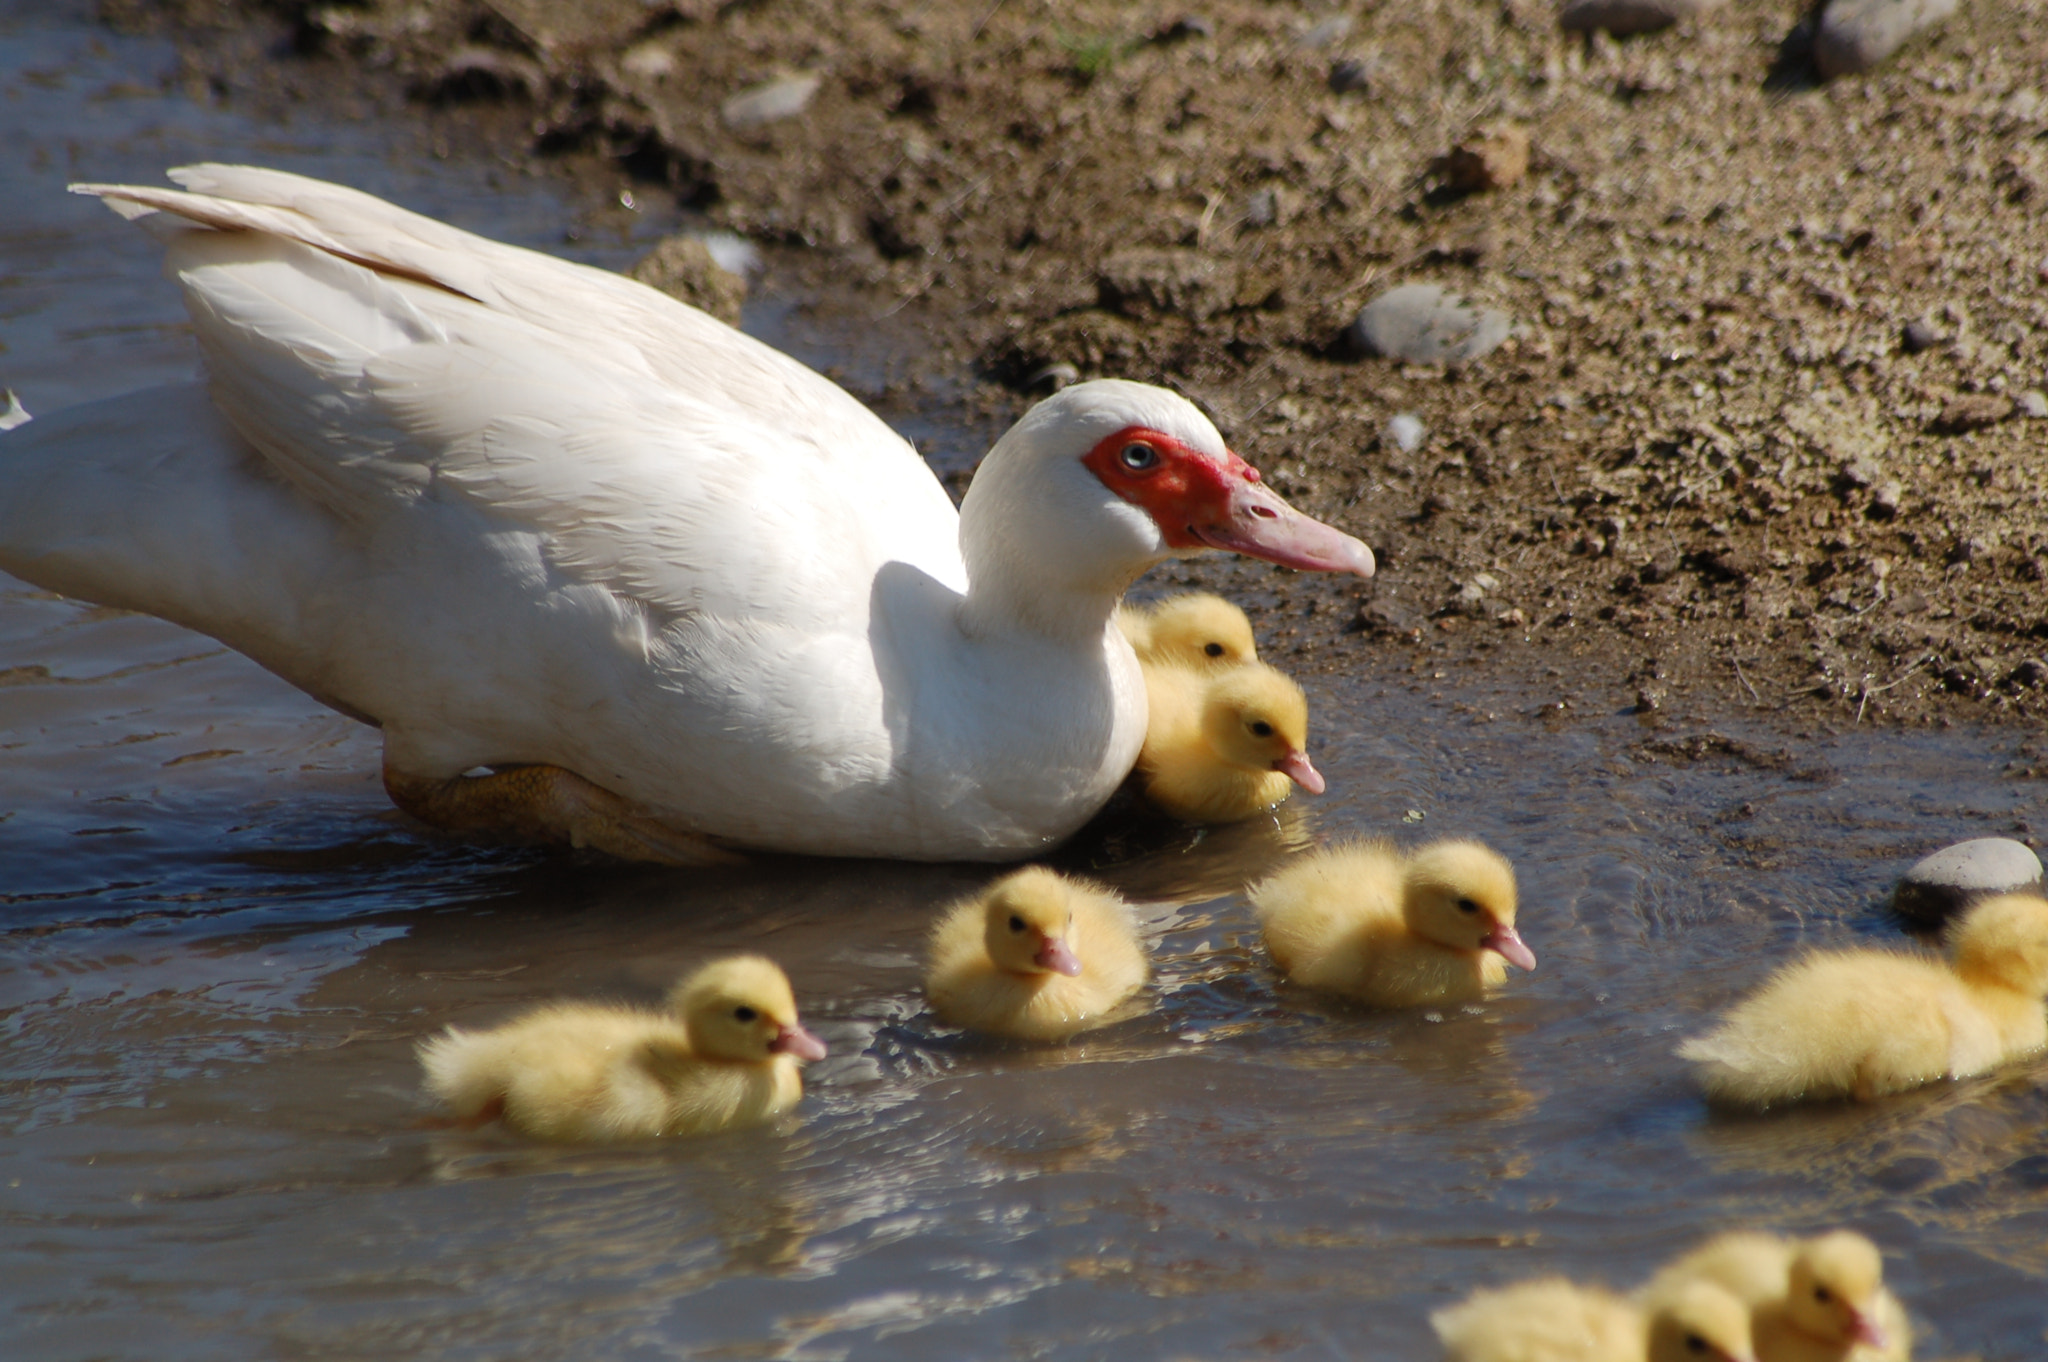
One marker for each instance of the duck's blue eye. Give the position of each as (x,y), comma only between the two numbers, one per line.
(1138,456)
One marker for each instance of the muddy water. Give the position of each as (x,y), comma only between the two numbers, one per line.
(220,945)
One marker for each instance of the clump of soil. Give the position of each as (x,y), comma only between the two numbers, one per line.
(1769,432)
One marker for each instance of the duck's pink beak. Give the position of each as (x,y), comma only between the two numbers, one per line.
(1297,768)
(794,1040)
(1866,1330)
(1203,500)
(1511,947)
(1056,956)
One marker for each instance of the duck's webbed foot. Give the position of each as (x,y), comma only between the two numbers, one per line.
(550,805)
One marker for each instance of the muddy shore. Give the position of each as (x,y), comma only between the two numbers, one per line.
(1768,434)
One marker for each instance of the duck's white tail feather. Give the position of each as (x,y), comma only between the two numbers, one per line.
(151,502)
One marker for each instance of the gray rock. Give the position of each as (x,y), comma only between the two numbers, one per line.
(783,97)
(684,268)
(1406,431)
(2034,404)
(1623,17)
(1425,324)
(1944,884)
(1918,335)
(1856,35)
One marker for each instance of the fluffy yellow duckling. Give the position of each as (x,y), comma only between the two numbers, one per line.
(1812,1300)
(1864,1023)
(1193,629)
(1036,955)
(724,1054)
(1554,1320)
(1220,747)
(1393,928)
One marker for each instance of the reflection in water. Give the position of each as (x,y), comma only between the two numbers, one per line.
(219,946)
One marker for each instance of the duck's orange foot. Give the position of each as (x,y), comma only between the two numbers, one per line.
(550,805)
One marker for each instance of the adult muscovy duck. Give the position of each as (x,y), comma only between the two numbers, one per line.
(682,594)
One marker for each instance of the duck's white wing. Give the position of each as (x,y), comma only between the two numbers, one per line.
(372,391)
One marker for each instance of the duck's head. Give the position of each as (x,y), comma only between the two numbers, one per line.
(1200,630)
(1030,923)
(2004,941)
(1462,895)
(1702,1323)
(1256,719)
(1102,480)
(1834,1289)
(741,1008)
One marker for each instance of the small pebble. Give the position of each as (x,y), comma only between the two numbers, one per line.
(1972,411)
(1406,431)
(1352,73)
(1919,335)
(1425,324)
(1493,157)
(1623,17)
(2034,404)
(1943,884)
(1331,30)
(783,97)
(1856,35)
(684,268)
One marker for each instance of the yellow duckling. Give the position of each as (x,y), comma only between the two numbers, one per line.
(1812,1300)
(1193,629)
(1394,928)
(1555,1320)
(1036,955)
(724,1054)
(1864,1023)
(1220,747)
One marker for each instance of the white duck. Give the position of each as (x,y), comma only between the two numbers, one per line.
(526,514)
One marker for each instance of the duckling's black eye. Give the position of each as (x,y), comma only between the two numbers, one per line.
(1467,906)
(1261,728)
(1213,649)
(745,1013)
(1823,1295)
(1138,457)
(1695,1344)
(1016,923)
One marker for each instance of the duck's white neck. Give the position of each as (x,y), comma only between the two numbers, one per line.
(1048,549)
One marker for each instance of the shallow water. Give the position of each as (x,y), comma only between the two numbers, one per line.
(220,944)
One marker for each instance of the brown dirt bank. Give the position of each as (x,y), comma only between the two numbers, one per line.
(1760,440)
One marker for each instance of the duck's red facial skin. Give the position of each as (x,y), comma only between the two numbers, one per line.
(1202,500)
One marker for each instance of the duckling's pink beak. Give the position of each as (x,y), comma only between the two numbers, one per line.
(1297,768)
(1510,945)
(1056,956)
(1863,1329)
(794,1040)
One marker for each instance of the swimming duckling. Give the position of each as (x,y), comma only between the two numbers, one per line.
(1036,955)
(1555,1320)
(1194,629)
(724,1054)
(1812,1300)
(1221,747)
(1864,1023)
(1394,928)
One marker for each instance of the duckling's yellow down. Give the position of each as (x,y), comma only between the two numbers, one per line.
(725,1054)
(1036,955)
(1865,1023)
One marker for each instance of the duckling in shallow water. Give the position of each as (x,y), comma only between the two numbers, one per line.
(1221,747)
(1394,928)
(1193,629)
(1864,1023)
(724,1054)
(1555,1320)
(1813,1300)
(1036,955)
